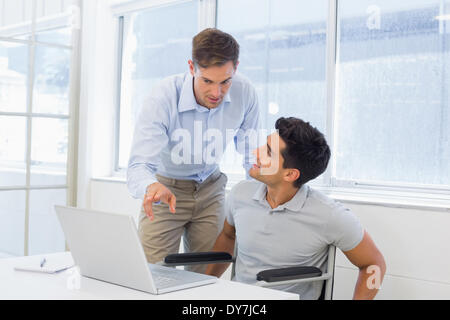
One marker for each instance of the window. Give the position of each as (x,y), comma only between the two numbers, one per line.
(153,47)
(36,56)
(283,53)
(372,75)
(393,80)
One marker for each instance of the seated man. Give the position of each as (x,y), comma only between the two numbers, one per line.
(278,221)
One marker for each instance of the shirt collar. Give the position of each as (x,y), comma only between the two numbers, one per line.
(187,98)
(295,204)
(227,97)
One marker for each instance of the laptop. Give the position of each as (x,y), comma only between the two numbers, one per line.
(106,246)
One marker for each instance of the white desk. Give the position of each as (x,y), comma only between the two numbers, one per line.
(30,285)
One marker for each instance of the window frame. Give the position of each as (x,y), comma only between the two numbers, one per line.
(344,189)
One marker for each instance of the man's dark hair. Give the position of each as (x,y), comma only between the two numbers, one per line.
(306,148)
(212,47)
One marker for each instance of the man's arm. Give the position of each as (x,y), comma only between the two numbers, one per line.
(150,138)
(224,243)
(372,268)
(247,136)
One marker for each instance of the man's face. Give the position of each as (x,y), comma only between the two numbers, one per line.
(269,161)
(211,84)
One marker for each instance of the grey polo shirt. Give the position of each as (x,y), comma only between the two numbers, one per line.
(296,233)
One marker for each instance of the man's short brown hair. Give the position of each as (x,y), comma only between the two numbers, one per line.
(212,47)
(306,148)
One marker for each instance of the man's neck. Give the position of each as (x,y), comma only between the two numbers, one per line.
(280,194)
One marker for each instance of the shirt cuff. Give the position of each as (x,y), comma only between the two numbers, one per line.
(143,187)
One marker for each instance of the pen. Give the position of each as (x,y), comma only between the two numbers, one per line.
(43,261)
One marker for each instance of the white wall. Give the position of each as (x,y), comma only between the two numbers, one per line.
(415,244)
(97,95)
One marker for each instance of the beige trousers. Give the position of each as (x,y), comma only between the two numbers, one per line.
(198,218)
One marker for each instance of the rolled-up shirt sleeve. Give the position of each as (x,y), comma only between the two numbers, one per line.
(149,139)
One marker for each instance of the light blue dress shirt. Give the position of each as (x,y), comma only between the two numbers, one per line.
(174,135)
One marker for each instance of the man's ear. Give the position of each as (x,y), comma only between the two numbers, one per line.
(292,175)
(191,67)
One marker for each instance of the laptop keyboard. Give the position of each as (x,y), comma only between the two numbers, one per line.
(165,278)
(162,282)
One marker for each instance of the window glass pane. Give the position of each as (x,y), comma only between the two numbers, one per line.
(15,18)
(55,20)
(12,223)
(51,80)
(153,47)
(58,36)
(49,151)
(393,81)
(13,133)
(13,76)
(283,52)
(45,233)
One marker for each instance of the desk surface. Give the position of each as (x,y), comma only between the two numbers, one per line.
(30,285)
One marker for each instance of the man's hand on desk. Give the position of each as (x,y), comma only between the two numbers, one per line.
(157,192)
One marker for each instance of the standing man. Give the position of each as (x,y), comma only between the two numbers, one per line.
(170,166)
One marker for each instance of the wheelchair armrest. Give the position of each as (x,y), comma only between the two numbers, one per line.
(197,258)
(290,273)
